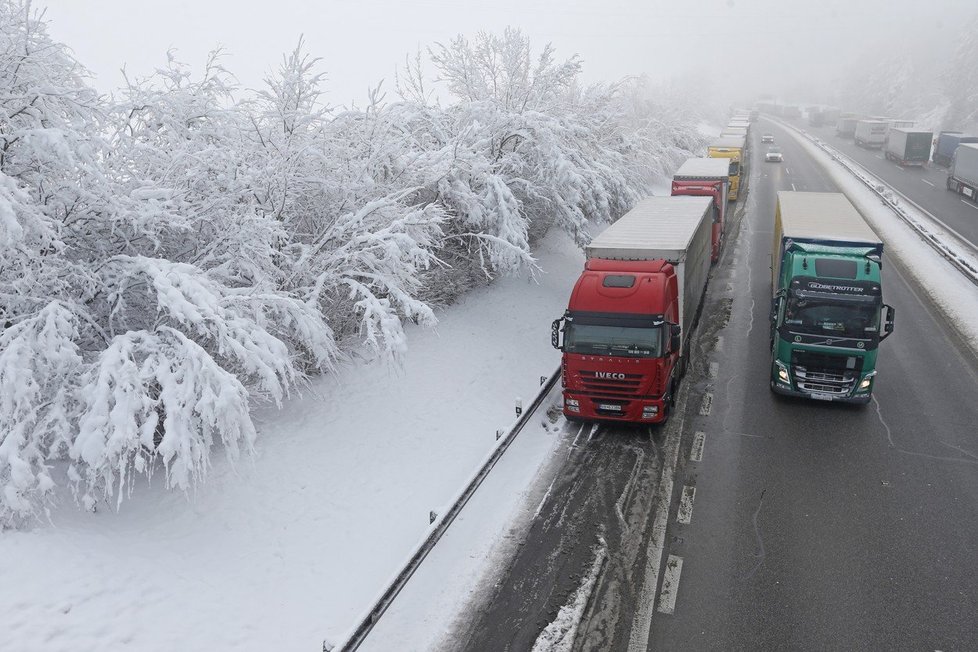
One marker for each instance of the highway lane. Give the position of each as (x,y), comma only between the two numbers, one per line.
(827,527)
(927,186)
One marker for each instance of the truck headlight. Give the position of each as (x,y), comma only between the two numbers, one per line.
(572,405)
(783,372)
(866,382)
(650,411)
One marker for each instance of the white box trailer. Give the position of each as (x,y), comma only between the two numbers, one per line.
(871,133)
(675,229)
(962,176)
(908,146)
(817,218)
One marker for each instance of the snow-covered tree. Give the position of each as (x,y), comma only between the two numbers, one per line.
(173,254)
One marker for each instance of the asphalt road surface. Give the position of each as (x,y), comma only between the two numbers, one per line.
(805,526)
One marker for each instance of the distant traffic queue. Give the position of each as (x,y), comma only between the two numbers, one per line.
(900,141)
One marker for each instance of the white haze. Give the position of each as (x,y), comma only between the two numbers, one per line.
(782,47)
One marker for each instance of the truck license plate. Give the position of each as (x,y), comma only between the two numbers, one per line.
(822,397)
(608,406)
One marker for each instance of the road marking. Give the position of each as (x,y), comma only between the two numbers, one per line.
(670,585)
(638,638)
(719,344)
(927,182)
(787,171)
(699,441)
(685,514)
(714,369)
(793,187)
(707,404)
(879,157)
(968,203)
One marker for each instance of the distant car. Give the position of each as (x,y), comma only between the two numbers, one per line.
(773,155)
(767,138)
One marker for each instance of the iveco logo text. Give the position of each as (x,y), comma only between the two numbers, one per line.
(609,375)
(839,288)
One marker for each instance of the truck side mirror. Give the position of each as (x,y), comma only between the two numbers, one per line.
(555,334)
(888,322)
(675,342)
(775,305)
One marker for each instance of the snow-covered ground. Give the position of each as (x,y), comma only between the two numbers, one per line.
(290,548)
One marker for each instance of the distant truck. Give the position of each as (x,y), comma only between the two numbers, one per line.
(908,146)
(845,126)
(962,176)
(831,116)
(707,177)
(827,301)
(947,142)
(732,148)
(816,118)
(870,134)
(626,333)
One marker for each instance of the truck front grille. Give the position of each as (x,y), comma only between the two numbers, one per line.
(626,387)
(824,381)
(825,373)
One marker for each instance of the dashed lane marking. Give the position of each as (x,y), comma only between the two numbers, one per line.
(707,404)
(685,514)
(793,187)
(927,182)
(719,344)
(670,585)
(714,369)
(699,441)
(967,203)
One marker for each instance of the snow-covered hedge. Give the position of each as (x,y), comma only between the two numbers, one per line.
(172,254)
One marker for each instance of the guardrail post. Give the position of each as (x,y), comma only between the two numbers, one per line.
(499,433)
(432,515)
(519,406)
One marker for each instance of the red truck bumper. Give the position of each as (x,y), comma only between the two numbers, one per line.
(647,409)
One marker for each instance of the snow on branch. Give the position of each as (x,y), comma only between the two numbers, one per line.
(155,395)
(39,365)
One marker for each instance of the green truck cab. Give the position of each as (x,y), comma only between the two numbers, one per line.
(827,312)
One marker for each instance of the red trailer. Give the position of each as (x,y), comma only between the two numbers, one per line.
(706,177)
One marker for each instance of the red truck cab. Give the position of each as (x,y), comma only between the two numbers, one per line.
(706,177)
(621,342)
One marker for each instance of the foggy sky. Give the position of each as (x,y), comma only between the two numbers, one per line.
(781,46)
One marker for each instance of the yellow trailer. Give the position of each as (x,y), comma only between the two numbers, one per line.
(731,147)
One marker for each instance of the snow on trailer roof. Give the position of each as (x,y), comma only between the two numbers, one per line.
(657,227)
(911,130)
(822,216)
(729,141)
(703,168)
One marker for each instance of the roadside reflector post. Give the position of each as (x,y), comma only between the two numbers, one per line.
(519,406)
(543,379)
(499,433)
(432,515)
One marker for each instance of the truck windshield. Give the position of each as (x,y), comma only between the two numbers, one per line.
(734,168)
(829,318)
(613,340)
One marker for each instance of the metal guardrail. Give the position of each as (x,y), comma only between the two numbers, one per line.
(892,198)
(386,598)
